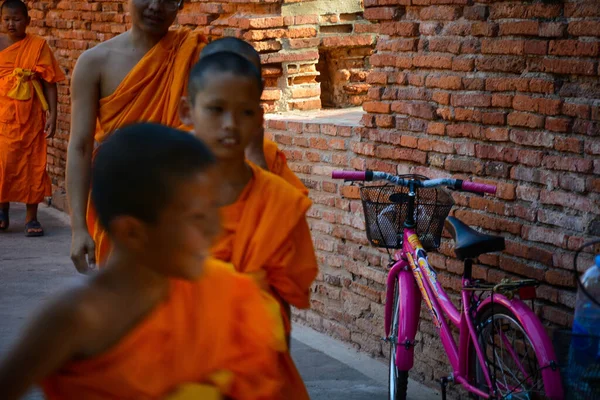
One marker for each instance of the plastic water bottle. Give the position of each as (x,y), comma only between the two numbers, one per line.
(584,354)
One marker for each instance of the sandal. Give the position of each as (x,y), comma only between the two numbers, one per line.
(4,220)
(34,229)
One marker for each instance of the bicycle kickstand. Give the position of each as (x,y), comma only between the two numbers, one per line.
(444,384)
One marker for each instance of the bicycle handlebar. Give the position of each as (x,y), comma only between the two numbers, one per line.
(458,184)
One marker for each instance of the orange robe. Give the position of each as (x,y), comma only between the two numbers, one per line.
(215,331)
(150,92)
(266,235)
(23,65)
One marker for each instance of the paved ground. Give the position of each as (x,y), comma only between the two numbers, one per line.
(31,269)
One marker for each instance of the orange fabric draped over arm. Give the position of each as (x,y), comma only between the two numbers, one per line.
(150,92)
(266,235)
(215,331)
(23,65)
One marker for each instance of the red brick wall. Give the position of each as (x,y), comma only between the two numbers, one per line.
(507,92)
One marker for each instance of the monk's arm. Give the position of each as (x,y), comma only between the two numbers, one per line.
(51,95)
(84,102)
(49,341)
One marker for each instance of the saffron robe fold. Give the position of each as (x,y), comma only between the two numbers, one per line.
(151,92)
(23,176)
(266,235)
(215,331)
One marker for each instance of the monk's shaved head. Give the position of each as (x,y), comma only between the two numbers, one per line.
(221,62)
(137,167)
(15,5)
(233,45)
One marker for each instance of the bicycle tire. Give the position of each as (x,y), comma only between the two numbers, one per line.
(397,380)
(483,319)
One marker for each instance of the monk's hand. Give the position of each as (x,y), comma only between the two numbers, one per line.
(255,151)
(83,251)
(50,127)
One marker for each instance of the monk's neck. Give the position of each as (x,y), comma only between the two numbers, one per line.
(235,175)
(142,40)
(132,276)
(6,40)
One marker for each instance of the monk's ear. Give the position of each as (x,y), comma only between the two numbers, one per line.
(185,111)
(129,233)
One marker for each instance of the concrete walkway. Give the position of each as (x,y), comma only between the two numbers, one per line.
(31,269)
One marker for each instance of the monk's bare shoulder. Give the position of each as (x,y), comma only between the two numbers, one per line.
(69,316)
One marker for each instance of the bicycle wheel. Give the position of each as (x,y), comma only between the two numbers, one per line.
(508,351)
(398,380)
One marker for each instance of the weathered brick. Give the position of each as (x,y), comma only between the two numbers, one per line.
(584,28)
(581,10)
(560,66)
(532,138)
(501,64)
(576,48)
(569,200)
(477,12)
(463,64)
(377,107)
(471,100)
(484,29)
(568,144)
(552,29)
(568,163)
(525,119)
(399,28)
(439,13)
(433,61)
(501,100)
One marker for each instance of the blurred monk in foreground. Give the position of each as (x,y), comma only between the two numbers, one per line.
(161,319)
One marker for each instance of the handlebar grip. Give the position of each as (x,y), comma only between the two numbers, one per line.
(353,175)
(478,187)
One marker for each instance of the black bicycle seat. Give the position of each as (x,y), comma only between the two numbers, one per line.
(469,242)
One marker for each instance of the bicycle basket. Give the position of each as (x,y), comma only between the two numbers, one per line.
(384,218)
(579,362)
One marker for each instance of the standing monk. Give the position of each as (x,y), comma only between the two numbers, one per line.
(28,110)
(139,75)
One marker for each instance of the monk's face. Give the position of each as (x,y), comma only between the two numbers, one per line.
(179,241)
(14,23)
(226,114)
(154,16)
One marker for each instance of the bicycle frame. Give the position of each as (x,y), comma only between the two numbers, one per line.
(418,281)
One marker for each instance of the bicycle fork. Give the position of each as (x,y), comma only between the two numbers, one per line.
(409,307)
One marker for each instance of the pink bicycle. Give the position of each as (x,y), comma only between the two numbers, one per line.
(504,351)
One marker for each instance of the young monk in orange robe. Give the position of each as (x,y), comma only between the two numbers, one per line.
(161,320)
(28,112)
(266,234)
